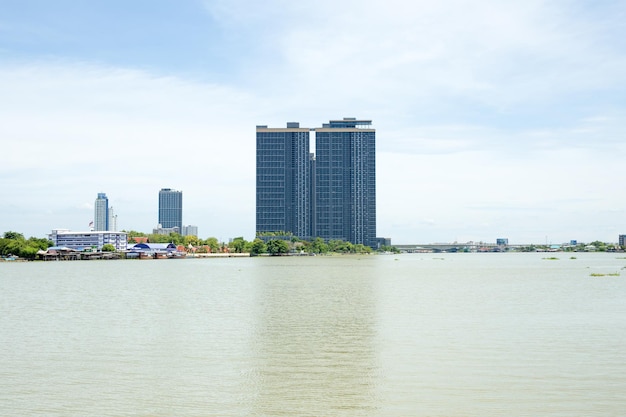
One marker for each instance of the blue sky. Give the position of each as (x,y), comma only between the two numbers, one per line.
(494,119)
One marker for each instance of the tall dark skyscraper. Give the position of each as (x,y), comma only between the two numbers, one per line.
(331,195)
(283,184)
(345,174)
(171,209)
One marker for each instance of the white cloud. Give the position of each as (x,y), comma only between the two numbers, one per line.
(74,130)
(499,54)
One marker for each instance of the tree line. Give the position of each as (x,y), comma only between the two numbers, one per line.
(276,243)
(15,244)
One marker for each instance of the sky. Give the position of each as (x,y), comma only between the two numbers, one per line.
(494,119)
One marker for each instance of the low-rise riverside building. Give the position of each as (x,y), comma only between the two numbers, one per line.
(59,253)
(92,239)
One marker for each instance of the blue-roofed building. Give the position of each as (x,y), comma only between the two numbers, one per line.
(154,250)
(155,247)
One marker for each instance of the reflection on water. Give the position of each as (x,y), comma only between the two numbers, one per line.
(419,335)
(314,339)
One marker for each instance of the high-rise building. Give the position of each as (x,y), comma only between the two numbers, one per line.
(330,194)
(189,230)
(112,220)
(101,213)
(283,185)
(345,175)
(171,209)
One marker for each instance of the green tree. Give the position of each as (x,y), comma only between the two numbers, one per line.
(107,247)
(277,247)
(258,247)
(176,238)
(13,236)
(237,245)
(361,248)
(28,252)
(600,246)
(13,243)
(191,240)
(6,246)
(393,249)
(341,246)
(39,243)
(157,238)
(213,244)
(133,233)
(318,246)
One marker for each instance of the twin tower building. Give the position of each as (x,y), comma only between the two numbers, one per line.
(330,193)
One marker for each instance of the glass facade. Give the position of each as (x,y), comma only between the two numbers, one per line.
(101,213)
(171,209)
(330,194)
(283,180)
(345,173)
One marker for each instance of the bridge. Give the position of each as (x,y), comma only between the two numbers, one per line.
(451,247)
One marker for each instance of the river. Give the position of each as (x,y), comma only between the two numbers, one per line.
(515,334)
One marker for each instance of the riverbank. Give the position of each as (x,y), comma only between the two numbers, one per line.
(217,255)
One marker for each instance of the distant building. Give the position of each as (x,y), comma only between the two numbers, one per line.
(112,220)
(171,208)
(101,213)
(160,230)
(86,240)
(622,240)
(502,241)
(190,230)
(382,241)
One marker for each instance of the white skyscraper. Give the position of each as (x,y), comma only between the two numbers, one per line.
(112,220)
